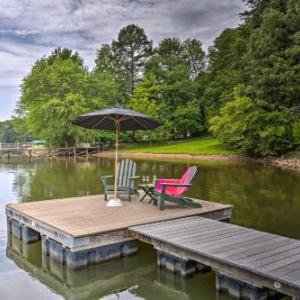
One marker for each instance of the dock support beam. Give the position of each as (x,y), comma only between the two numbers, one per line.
(239,289)
(178,265)
(22,232)
(76,259)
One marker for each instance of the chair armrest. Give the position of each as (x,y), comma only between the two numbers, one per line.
(170,180)
(165,185)
(107,176)
(158,183)
(105,179)
(134,177)
(176,184)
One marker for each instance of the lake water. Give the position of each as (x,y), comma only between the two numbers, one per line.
(264,197)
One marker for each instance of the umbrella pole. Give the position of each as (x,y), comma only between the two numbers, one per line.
(116,157)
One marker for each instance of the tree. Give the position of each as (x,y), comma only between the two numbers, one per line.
(57,89)
(101,85)
(104,62)
(176,67)
(254,130)
(225,68)
(10,134)
(130,52)
(145,97)
(194,57)
(273,53)
(52,120)
(53,76)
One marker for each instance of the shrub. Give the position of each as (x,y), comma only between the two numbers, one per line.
(252,129)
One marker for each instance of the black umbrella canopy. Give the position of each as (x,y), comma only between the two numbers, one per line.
(106,119)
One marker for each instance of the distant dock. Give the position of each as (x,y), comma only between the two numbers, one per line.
(10,150)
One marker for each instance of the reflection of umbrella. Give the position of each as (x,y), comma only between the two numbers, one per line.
(117,119)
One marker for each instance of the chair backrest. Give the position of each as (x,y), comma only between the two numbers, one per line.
(126,169)
(188,175)
(185,179)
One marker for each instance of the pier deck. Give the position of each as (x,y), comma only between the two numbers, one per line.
(83,230)
(248,256)
(89,215)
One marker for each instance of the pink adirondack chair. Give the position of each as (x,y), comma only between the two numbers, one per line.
(173,189)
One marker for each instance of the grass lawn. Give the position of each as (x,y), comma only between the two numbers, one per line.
(196,146)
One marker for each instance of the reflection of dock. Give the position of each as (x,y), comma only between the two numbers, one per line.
(95,281)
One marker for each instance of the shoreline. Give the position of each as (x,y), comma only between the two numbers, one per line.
(285,163)
(143,155)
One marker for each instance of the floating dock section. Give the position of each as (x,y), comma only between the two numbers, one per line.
(83,230)
(248,263)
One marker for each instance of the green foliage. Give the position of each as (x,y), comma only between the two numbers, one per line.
(104,62)
(175,66)
(103,86)
(187,120)
(225,69)
(9,134)
(244,126)
(273,54)
(145,97)
(57,115)
(296,132)
(57,89)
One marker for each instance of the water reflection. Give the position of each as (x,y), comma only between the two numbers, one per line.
(135,277)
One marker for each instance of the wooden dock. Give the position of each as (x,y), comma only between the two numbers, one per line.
(246,261)
(83,230)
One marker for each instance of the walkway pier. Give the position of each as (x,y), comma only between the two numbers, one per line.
(83,230)
(248,263)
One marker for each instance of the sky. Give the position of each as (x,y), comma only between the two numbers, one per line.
(30,29)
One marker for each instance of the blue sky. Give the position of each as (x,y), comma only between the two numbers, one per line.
(30,29)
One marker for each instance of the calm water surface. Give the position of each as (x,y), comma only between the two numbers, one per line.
(264,198)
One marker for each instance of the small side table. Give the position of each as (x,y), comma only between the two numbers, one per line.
(149,191)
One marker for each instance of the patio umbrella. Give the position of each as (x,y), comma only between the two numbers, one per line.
(117,119)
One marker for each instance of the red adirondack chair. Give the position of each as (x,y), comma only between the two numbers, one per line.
(172,190)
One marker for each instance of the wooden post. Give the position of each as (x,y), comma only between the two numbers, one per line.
(117,122)
(74,152)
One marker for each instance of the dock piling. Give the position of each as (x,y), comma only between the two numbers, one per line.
(239,289)
(178,265)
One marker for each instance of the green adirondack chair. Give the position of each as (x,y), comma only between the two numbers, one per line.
(125,180)
(172,190)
